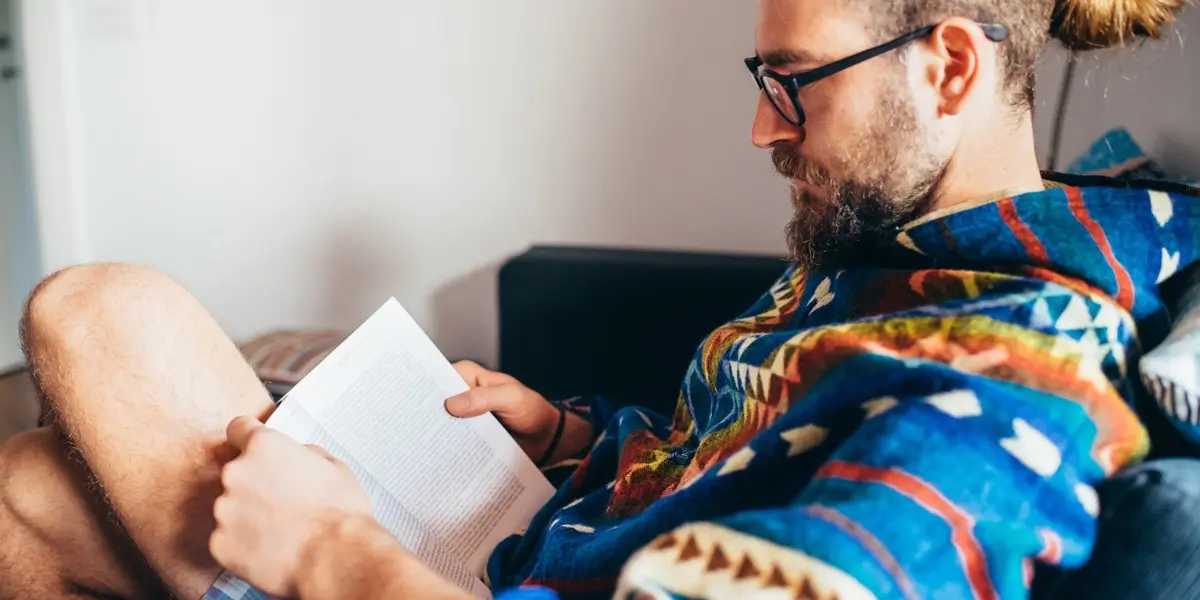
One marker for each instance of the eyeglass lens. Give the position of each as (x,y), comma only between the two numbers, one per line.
(779,97)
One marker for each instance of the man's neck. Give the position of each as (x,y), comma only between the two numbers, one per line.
(1002,162)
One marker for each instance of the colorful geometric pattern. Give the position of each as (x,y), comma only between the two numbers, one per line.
(926,424)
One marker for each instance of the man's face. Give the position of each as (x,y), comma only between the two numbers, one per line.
(866,159)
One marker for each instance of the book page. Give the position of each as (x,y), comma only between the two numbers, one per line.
(448,489)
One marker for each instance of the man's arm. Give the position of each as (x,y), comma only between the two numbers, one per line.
(532,420)
(357,559)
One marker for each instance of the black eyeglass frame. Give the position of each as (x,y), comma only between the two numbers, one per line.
(792,83)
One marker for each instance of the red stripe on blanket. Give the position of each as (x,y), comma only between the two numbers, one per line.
(1124,282)
(947,235)
(870,542)
(1052,547)
(961,524)
(1033,246)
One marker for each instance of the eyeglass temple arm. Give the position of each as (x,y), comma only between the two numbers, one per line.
(994,32)
(840,65)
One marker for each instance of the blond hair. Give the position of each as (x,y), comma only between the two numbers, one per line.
(1077,24)
(1092,24)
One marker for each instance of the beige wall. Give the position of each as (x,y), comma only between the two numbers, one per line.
(295,162)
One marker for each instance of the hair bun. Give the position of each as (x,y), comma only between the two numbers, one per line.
(1091,24)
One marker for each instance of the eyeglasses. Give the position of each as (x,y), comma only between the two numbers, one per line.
(783,90)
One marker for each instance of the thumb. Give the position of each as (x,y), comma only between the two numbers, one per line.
(482,400)
(241,430)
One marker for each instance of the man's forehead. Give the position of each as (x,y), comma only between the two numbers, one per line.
(807,33)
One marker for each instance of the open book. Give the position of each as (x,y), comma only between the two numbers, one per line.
(448,489)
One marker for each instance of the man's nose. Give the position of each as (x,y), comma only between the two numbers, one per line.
(770,128)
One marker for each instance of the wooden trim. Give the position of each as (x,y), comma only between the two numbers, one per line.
(12,371)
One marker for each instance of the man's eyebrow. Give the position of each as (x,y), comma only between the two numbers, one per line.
(783,58)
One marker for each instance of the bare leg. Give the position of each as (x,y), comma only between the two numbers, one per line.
(143,382)
(55,543)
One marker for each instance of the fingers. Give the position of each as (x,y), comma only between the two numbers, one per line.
(469,371)
(223,510)
(241,430)
(482,400)
(477,376)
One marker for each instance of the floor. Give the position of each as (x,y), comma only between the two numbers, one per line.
(18,404)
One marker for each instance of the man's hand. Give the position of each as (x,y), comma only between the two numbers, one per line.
(526,414)
(280,498)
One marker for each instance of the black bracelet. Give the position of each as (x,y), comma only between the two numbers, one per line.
(558,431)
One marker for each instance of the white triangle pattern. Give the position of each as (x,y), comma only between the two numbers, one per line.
(1170,264)
(738,462)
(1076,315)
(1162,207)
(748,377)
(739,371)
(905,240)
(803,439)
(1108,318)
(1091,343)
(777,365)
(764,378)
(822,296)
(1041,319)
(879,406)
(959,404)
(1033,449)
(739,348)
(1099,337)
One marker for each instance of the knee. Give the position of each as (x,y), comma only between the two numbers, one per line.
(76,303)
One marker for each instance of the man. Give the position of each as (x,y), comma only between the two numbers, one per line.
(924,405)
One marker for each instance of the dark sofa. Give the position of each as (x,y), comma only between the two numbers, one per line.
(619,322)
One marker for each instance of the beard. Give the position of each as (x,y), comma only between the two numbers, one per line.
(881,177)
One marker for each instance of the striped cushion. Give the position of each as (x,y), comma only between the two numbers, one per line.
(286,356)
(1171,371)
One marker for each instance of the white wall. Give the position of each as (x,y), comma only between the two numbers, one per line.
(19,257)
(1151,88)
(295,162)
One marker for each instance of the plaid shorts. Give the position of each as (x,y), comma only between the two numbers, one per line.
(229,587)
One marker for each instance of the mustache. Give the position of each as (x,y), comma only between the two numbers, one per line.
(790,164)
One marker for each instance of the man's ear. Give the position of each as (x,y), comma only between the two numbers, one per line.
(955,53)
